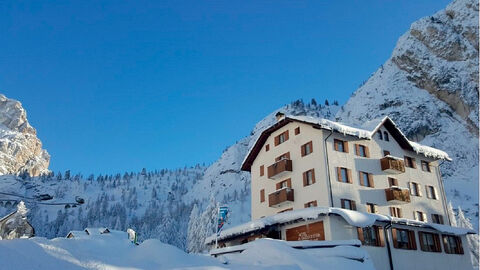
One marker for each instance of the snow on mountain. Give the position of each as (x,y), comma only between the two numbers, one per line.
(20,149)
(429,87)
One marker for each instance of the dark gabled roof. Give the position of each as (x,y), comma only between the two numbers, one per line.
(345,130)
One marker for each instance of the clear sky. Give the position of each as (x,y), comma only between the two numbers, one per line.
(114,86)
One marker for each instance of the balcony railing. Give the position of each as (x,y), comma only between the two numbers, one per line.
(392,165)
(280,197)
(397,195)
(279,169)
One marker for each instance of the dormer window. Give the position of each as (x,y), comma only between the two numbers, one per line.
(385,136)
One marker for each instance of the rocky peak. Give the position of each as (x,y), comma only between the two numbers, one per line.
(20,149)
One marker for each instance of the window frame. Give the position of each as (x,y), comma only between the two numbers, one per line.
(425,166)
(337,143)
(425,245)
(411,244)
(351,203)
(305,147)
(446,238)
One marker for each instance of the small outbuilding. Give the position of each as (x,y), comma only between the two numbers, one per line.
(15,224)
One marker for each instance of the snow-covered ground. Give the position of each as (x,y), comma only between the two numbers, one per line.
(114,251)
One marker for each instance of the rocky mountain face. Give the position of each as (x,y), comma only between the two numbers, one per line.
(429,86)
(20,149)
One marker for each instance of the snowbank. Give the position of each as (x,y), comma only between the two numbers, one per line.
(114,251)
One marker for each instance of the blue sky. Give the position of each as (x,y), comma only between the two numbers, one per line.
(114,86)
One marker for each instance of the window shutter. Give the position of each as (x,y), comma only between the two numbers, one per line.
(438,247)
(370,180)
(429,195)
(380,236)
(360,235)
(440,217)
(302,148)
(394,238)
(339,174)
(287,155)
(277,140)
(424,217)
(399,212)
(335,145)
(392,211)
(267,147)
(286,135)
(357,149)
(411,236)
(360,174)
(415,216)
(262,170)
(459,244)
(414,165)
(342,203)
(305,179)
(445,245)
(410,187)
(420,238)
(262,195)
(278,185)
(311,147)
(349,175)
(419,188)
(313,176)
(354,205)
(345,146)
(289,182)
(435,193)
(367,152)
(297,131)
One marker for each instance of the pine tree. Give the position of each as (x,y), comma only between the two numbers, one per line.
(472,239)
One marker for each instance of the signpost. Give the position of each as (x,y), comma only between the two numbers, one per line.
(222,214)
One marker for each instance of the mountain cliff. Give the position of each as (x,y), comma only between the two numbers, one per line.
(429,86)
(20,149)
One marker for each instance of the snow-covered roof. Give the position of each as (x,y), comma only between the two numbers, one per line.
(95,231)
(354,218)
(367,131)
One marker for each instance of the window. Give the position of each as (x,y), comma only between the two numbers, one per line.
(380,137)
(297,130)
(262,170)
(415,189)
(425,166)
(431,192)
(309,177)
(419,216)
(403,239)
(436,218)
(385,136)
(452,244)
(285,210)
(371,208)
(371,236)
(284,156)
(311,204)
(340,146)
(410,162)
(386,153)
(262,195)
(284,184)
(344,175)
(392,182)
(366,179)
(361,150)
(348,204)
(395,212)
(429,242)
(267,147)
(281,138)
(307,149)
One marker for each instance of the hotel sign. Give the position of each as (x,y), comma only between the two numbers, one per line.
(312,231)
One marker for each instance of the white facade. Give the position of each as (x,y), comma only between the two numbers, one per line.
(327,186)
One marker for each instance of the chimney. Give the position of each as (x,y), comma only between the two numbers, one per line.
(280,116)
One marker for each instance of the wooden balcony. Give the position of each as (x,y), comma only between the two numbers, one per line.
(279,169)
(392,165)
(397,195)
(280,197)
